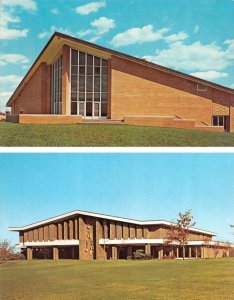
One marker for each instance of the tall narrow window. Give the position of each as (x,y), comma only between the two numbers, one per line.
(89,85)
(56,87)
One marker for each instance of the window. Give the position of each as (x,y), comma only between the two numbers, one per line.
(201,88)
(89,84)
(56,87)
(220,121)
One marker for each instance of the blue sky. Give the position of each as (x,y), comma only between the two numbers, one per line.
(141,186)
(195,37)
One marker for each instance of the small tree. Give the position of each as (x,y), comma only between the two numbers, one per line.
(179,232)
(7,252)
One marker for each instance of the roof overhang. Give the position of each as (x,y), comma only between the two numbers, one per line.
(54,47)
(48,243)
(142,241)
(105,217)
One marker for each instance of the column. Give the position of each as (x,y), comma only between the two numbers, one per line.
(60,233)
(232,114)
(177,252)
(66,80)
(147,249)
(71,230)
(29,254)
(196,252)
(114,252)
(171,252)
(190,252)
(160,253)
(55,253)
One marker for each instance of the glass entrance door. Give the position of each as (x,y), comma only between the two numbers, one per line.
(89,85)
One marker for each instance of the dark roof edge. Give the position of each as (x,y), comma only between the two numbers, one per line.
(123,55)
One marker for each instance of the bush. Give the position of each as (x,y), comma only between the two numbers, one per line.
(140,254)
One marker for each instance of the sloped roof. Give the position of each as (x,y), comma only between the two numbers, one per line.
(58,39)
(105,217)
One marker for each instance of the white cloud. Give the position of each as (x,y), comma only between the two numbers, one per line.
(10,80)
(55,11)
(6,59)
(90,7)
(232,85)
(196,29)
(103,25)
(138,36)
(4,97)
(25,4)
(7,17)
(176,37)
(8,12)
(230,49)
(12,34)
(47,34)
(7,85)
(210,75)
(84,32)
(193,57)
(94,39)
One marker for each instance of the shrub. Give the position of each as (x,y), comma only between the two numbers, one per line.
(140,254)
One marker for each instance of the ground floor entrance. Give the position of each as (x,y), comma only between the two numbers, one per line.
(89,109)
(61,252)
(155,251)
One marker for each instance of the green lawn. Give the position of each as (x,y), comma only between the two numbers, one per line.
(165,279)
(107,135)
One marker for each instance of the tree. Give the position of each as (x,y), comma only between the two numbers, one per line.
(232,226)
(179,232)
(7,252)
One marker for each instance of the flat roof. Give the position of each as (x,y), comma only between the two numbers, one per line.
(58,39)
(105,217)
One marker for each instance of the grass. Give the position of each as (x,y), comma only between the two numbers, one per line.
(114,280)
(107,135)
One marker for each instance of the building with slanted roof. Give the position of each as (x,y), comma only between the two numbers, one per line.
(87,236)
(73,81)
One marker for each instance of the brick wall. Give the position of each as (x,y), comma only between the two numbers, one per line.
(232,114)
(34,98)
(89,230)
(86,238)
(43,119)
(139,90)
(100,251)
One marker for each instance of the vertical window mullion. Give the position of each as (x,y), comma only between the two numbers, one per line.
(58,87)
(85,82)
(77,87)
(54,90)
(70,66)
(51,92)
(100,110)
(93,104)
